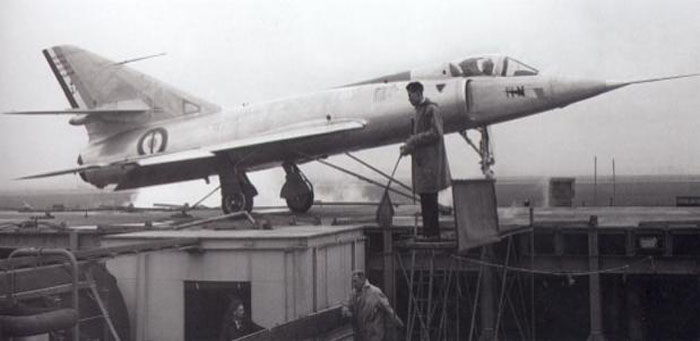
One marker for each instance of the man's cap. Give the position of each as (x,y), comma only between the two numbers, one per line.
(414,87)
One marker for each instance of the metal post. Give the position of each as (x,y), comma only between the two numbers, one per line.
(431,279)
(411,306)
(504,282)
(389,270)
(533,320)
(74,264)
(613,181)
(475,301)
(457,307)
(74,240)
(413,301)
(596,312)
(442,326)
(595,181)
(635,327)
(487,298)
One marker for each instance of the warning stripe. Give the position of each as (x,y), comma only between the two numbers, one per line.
(61,80)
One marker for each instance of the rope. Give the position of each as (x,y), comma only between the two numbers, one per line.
(554,273)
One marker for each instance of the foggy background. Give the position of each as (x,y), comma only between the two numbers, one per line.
(231,52)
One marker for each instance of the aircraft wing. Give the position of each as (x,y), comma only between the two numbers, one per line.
(293,132)
(187,159)
(281,135)
(63,172)
(81,111)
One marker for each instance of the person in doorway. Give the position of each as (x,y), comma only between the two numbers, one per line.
(236,324)
(426,145)
(372,316)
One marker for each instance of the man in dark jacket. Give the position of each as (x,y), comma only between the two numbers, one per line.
(236,324)
(431,172)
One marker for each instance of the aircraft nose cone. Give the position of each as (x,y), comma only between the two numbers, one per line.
(571,90)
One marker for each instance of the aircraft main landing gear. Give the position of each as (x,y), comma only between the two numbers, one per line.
(297,190)
(237,192)
(234,202)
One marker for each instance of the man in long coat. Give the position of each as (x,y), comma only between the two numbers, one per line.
(431,172)
(369,309)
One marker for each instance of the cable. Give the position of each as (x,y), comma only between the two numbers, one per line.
(554,273)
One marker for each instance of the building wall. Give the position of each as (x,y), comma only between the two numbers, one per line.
(286,283)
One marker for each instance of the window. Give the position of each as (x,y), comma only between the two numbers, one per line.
(480,66)
(190,108)
(512,67)
(493,65)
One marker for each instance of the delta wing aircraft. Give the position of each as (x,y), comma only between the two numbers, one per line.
(144,133)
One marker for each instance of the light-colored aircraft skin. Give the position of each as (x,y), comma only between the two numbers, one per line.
(145,133)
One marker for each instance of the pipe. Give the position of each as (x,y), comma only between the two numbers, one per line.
(74,264)
(38,323)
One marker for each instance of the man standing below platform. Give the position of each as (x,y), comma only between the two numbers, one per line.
(372,317)
(430,170)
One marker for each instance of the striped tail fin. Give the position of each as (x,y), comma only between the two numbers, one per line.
(95,83)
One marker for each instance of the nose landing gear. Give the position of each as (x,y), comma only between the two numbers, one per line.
(484,149)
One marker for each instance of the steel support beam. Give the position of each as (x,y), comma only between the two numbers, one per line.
(487,298)
(596,312)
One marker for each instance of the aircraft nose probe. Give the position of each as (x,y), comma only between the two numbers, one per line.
(569,90)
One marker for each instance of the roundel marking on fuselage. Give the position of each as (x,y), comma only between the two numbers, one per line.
(153,141)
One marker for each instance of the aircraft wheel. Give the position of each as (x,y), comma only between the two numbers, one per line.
(236,202)
(301,203)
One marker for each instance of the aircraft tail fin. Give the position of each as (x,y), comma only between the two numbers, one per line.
(92,82)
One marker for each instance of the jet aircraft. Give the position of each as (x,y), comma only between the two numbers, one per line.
(143,132)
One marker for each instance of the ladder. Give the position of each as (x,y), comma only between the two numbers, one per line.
(429,293)
(104,314)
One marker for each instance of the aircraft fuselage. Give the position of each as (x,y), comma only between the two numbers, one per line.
(464,103)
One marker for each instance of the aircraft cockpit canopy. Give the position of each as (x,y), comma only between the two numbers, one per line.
(494,66)
(481,66)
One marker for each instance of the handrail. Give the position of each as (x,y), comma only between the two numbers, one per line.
(74,264)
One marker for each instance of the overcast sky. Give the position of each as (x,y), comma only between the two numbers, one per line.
(231,52)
